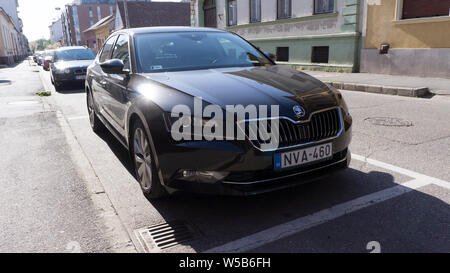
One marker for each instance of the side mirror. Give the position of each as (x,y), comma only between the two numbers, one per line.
(271,56)
(114,66)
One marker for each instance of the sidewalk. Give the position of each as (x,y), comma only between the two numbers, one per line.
(385,84)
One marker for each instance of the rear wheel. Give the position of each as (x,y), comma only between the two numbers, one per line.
(144,163)
(96,125)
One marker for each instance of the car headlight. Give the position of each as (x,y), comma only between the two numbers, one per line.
(62,70)
(178,123)
(348,120)
(340,99)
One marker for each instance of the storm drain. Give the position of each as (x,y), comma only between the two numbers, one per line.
(392,122)
(163,236)
(5,82)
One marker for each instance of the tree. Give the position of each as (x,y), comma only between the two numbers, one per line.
(41,44)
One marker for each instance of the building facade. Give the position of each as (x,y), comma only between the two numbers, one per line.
(407,37)
(81,15)
(56,31)
(133,14)
(9,45)
(10,7)
(101,31)
(13,44)
(310,34)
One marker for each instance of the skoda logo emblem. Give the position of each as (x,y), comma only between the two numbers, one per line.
(299,111)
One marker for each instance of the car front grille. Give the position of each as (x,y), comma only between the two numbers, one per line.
(82,71)
(322,125)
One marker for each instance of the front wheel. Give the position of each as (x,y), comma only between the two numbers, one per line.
(58,85)
(144,163)
(96,125)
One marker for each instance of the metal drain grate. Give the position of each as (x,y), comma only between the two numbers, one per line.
(166,235)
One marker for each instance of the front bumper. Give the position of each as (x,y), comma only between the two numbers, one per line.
(251,170)
(68,78)
(258,184)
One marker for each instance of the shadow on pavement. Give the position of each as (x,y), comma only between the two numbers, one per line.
(222,219)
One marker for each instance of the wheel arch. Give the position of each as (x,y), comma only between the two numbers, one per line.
(133,117)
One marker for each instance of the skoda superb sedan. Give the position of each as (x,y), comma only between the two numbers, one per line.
(168,93)
(69,65)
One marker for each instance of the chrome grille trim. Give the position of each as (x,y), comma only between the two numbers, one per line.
(308,134)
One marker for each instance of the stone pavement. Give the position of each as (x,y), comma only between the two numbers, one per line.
(386,84)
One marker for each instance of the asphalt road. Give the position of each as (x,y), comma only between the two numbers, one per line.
(397,202)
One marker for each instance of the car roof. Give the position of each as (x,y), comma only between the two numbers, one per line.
(145,30)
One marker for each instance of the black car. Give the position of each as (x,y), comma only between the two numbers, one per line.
(149,86)
(69,65)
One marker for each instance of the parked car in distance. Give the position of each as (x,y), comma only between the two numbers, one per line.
(69,65)
(35,55)
(39,58)
(47,58)
(141,74)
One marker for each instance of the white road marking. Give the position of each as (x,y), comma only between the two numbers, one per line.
(76,118)
(431,180)
(284,230)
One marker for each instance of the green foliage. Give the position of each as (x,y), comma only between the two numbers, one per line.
(44,93)
(40,45)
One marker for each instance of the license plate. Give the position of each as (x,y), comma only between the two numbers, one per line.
(81,77)
(303,156)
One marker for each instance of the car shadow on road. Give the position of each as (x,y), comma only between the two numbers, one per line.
(222,219)
(74,88)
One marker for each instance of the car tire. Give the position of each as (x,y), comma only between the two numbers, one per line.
(58,85)
(144,163)
(96,124)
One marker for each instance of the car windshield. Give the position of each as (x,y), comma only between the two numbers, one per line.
(178,51)
(74,55)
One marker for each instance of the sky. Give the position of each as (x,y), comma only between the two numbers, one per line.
(37,15)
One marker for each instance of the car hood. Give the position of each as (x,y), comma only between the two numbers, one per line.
(71,64)
(271,85)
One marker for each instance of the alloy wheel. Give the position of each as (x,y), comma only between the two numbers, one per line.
(91,111)
(143,159)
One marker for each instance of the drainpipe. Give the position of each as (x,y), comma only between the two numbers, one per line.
(127,20)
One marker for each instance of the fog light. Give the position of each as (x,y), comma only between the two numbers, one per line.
(203,176)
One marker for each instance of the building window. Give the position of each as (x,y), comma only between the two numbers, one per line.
(111,11)
(425,8)
(99,13)
(284,8)
(320,54)
(91,16)
(232,12)
(323,6)
(255,11)
(283,54)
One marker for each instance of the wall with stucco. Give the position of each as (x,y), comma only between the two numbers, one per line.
(382,27)
(419,47)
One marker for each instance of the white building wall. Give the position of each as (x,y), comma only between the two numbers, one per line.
(56,31)
(300,9)
(268,10)
(10,6)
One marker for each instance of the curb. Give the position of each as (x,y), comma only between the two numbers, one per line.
(380,89)
(114,229)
